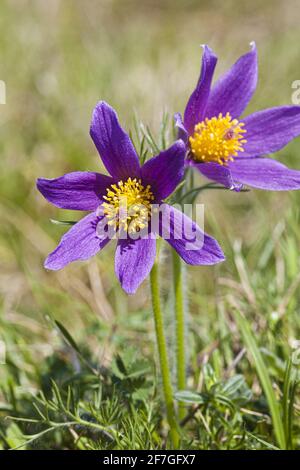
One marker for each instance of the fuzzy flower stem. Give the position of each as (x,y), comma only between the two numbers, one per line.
(180,329)
(163,356)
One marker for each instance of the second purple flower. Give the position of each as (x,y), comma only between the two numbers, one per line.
(230,150)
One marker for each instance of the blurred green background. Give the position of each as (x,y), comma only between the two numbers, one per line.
(58,58)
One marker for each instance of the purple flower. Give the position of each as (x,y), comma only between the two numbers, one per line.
(142,187)
(229,150)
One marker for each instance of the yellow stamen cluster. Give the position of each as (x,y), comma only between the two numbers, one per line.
(218,139)
(128,205)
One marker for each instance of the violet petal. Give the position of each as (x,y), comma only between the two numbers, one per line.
(196,106)
(181,130)
(165,171)
(113,143)
(186,237)
(233,91)
(133,261)
(80,190)
(265,173)
(218,173)
(270,130)
(81,242)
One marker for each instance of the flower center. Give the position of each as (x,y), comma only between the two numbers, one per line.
(128,205)
(218,139)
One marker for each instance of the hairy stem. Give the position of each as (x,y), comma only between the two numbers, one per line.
(180,329)
(163,356)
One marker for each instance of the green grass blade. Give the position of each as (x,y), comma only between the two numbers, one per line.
(264,377)
(286,399)
(262,441)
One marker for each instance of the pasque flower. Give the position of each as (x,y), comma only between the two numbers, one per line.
(140,187)
(226,148)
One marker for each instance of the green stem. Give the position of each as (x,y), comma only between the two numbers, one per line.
(163,355)
(180,329)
